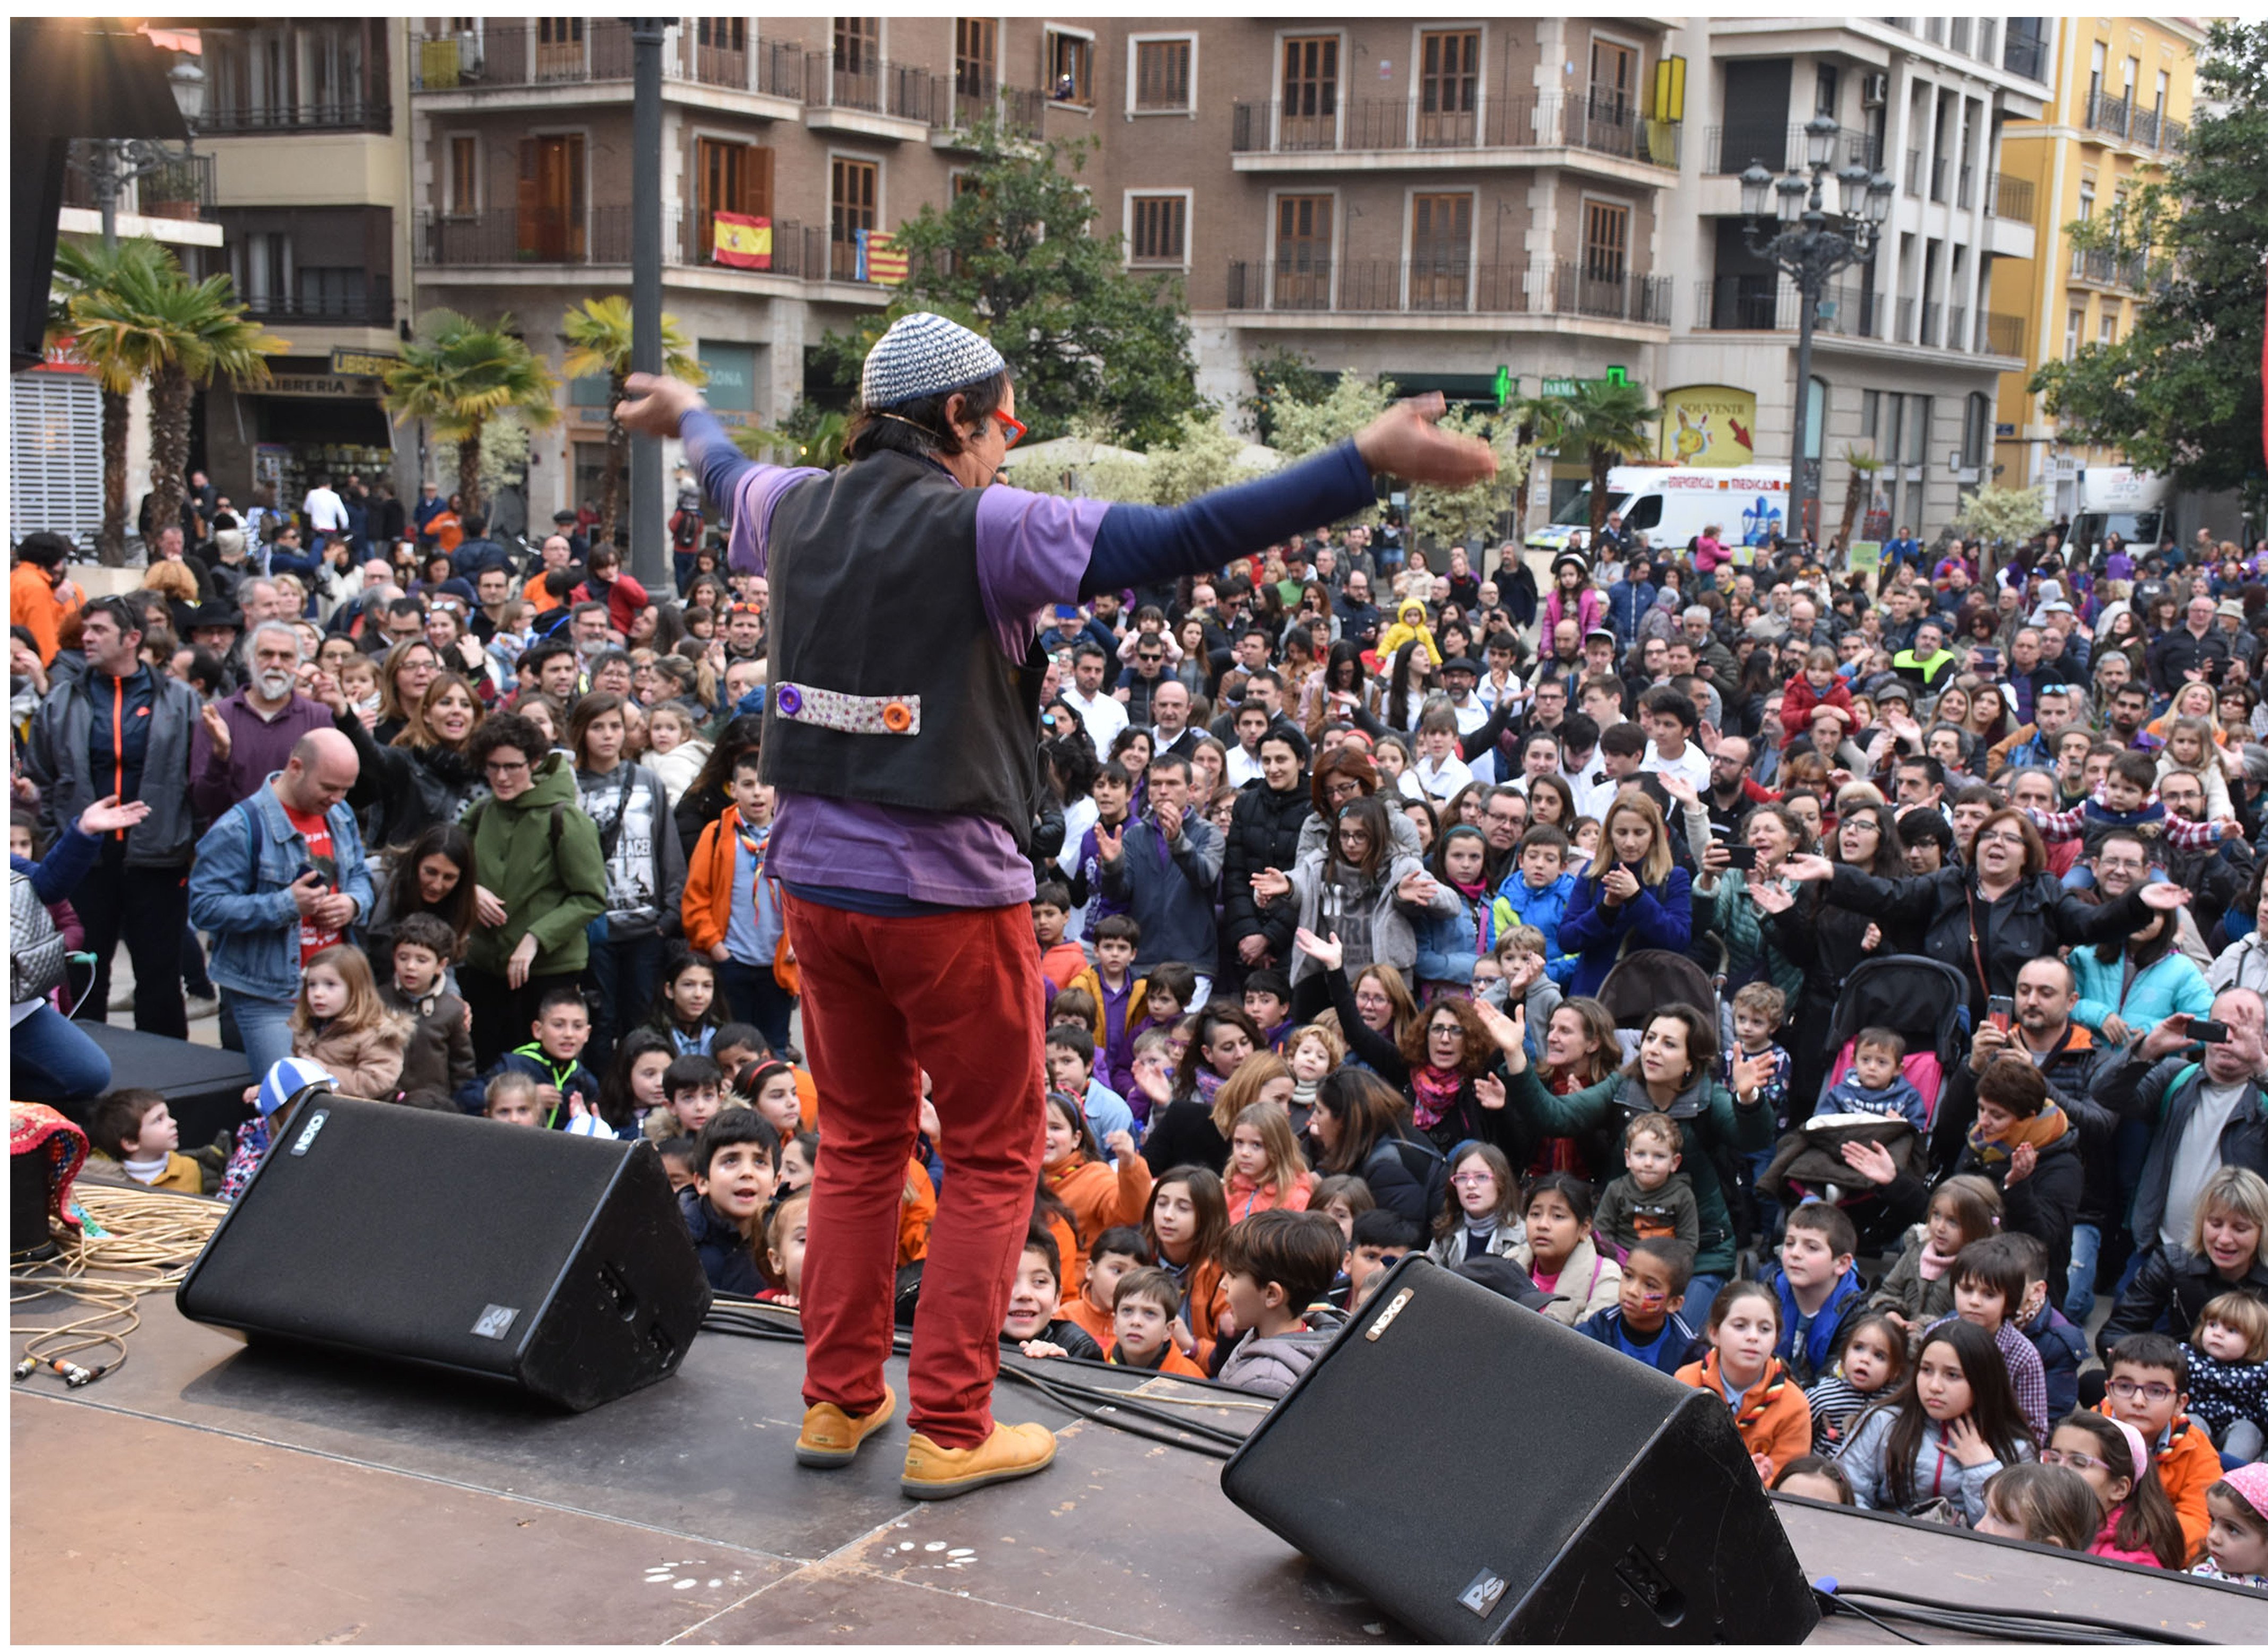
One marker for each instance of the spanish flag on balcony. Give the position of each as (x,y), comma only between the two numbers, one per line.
(879,262)
(745,243)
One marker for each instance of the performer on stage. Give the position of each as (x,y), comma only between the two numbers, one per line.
(900,731)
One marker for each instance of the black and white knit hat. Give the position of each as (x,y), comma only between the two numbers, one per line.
(921,355)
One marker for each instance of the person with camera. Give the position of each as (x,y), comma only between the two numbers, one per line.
(2197,1084)
(279,877)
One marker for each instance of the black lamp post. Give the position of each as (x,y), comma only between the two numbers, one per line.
(118,161)
(1810,247)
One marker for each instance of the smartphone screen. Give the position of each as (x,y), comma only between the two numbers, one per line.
(2001,1011)
(1740,857)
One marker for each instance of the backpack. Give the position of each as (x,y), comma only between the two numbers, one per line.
(36,952)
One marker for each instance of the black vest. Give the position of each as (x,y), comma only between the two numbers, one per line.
(872,571)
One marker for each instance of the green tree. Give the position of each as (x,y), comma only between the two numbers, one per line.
(1015,257)
(2003,515)
(1280,374)
(95,275)
(1608,422)
(459,373)
(2181,393)
(1302,427)
(597,333)
(1864,468)
(809,435)
(1451,516)
(137,315)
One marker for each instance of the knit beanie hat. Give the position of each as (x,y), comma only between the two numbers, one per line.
(921,355)
(286,1080)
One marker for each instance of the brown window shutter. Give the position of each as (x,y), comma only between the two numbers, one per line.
(758,183)
(528,200)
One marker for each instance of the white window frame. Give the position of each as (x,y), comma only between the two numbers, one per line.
(1275,107)
(1048,31)
(1338,226)
(1134,44)
(1189,226)
(1418,33)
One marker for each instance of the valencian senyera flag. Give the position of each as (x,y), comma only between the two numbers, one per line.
(745,243)
(879,262)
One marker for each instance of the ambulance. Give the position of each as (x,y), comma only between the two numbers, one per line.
(1671,502)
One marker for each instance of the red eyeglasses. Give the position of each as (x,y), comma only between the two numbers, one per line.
(1011,431)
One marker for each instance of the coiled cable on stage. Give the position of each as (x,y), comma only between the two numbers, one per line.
(2007,1623)
(1087,1391)
(130,1243)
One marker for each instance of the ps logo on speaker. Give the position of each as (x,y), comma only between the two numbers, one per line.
(308,1135)
(1482,1596)
(495,1321)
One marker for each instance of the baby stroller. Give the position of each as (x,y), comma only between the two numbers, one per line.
(1926,1002)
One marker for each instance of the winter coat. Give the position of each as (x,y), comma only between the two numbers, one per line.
(2174,1284)
(1589,610)
(57,758)
(2062,1347)
(1589,1283)
(1935,1472)
(706,901)
(1725,916)
(1627,602)
(1544,907)
(1715,1125)
(1774,1417)
(1658,919)
(1798,699)
(1409,1176)
(1905,1292)
(1269,1366)
(2165,1095)
(1393,933)
(406,788)
(2244,963)
(1263,834)
(366,1065)
(2046,1201)
(1451,1251)
(240,891)
(439,1056)
(1447,946)
(2171,986)
(728,1259)
(677,767)
(2037,917)
(538,853)
(1167,888)
(1821,1342)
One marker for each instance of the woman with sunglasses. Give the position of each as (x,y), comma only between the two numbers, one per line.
(899,732)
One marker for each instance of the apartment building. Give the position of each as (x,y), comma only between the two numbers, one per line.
(304,121)
(1909,347)
(2120,110)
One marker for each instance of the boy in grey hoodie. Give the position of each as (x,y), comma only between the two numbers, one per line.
(1277,1264)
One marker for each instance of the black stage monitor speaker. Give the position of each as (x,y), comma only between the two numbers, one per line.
(1487,1476)
(556,1263)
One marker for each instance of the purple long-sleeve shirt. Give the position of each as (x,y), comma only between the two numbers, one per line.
(257,749)
(1033,551)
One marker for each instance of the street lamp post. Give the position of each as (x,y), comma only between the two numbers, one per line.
(1810,247)
(118,161)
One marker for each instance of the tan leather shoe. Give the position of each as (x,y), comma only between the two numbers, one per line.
(934,1473)
(831,1438)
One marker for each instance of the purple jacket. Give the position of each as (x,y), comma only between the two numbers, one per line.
(256,750)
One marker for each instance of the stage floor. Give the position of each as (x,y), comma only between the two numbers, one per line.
(212,1492)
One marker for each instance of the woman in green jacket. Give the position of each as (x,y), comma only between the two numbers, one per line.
(542,879)
(1673,1072)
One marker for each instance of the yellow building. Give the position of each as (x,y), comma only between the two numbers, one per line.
(2119,111)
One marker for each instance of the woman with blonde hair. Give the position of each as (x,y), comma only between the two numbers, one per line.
(1633,896)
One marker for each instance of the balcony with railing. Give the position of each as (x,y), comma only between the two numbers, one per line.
(2098,264)
(530,52)
(258,120)
(2008,197)
(2112,116)
(1729,149)
(2172,134)
(2000,335)
(1446,286)
(1940,170)
(770,68)
(181,186)
(2026,53)
(541,235)
(871,86)
(373,307)
(1375,126)
(1766,302)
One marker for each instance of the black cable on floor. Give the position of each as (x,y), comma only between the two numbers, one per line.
(2008,1622)
(1833,1604)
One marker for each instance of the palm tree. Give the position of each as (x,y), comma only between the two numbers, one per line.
(597,336)
(460,373)
(808,437)
(1609,421)
(135,313)
(1864,466)
(1538,422)
(91,276)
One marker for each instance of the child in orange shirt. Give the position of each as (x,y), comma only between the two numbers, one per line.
(1113,1256)
(2148,1384)
(1186,1219)
(1146,1312)
(1773,1416)
(1265,1168)
(1098,1198)
(1061,959)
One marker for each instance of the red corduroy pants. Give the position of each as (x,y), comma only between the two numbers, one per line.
(885,998)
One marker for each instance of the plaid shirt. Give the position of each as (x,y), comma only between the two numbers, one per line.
(2071,823)
(2026,1374)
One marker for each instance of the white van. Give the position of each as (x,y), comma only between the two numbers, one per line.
(2121,499)
(1671,502)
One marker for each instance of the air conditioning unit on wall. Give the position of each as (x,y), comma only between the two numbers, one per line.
(1875,91)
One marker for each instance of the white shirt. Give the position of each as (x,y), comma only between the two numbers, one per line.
(325,509)
(1691,766)
(1242,768)
(2196,1154)
(1104,717)
(1443,782)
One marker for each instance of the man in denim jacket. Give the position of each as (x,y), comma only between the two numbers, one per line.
(277,877)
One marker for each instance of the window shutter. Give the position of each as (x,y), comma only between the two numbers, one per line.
(756,188)
(529,199)
(54,455)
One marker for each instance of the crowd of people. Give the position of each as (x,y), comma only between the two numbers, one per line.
(1347,854)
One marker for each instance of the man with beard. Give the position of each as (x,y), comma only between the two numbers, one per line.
(2215,876)
(244,737)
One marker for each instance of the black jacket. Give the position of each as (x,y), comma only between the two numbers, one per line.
(2035,918)
(2044,1203)
(1183,1133)
(1263,834)
(2178,652)
(1407,1175)
(2175,1285)
(728,1259)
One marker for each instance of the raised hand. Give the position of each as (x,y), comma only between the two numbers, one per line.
(1774,898)
(1328,952)
(1871,1160)
(1405,440)
(1417,888)
(658,404)
(1109,844)
(2164,896)
(217,730)
(111,814)
(1121,1143)
(1490,1091)
(1269,886)
(1808,868)
(2171,1036)
(1750,1072)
